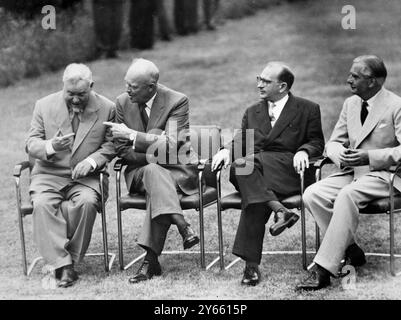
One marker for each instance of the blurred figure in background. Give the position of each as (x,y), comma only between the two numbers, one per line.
(210,8)
(107,18)
(141,24)
(164,27)
(186,16)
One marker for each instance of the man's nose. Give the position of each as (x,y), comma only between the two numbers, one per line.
(75,100)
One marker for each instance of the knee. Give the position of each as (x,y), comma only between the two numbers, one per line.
(152,170)
(40,202)
(347,192)
(310,194)
(87,198)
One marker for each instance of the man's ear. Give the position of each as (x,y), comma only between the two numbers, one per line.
(283,86)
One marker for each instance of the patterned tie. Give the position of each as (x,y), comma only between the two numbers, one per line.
(364,111)
(271,114)
(75,122)
(144,114)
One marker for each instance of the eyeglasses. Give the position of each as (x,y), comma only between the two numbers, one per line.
(357,76)
(264,81)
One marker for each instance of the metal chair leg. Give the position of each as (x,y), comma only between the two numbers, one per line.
(104,226)
(219,221)
(201,223)
(119,222)
(21,226)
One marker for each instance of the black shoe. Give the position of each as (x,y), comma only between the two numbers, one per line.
(189,238)
(146,272)
(355,256)
(68,276)
(318,278)
(251,276)
(283,219)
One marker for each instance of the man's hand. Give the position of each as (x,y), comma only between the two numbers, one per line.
(119,130)
(301,161)
(81,169)
(223,156)
(62,143)
(354,157)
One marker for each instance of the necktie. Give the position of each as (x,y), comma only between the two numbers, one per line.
(144,115)
(364,111)
(271,114)
(75,122)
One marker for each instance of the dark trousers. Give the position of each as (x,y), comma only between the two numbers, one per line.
(107,18)
(186,16)
(142,13)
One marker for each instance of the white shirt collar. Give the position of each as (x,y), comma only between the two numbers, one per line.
(371,102)
(279,104)
(149,104)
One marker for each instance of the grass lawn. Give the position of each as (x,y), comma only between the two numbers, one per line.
(217,71)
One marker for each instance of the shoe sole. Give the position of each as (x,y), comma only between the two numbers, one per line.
(191,243)
(290,222)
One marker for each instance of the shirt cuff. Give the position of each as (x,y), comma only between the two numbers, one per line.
(92,162)
(49,148)
(132,137)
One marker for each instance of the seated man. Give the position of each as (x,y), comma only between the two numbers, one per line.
(287,132)
(155,119)
(70,143)
(365,143)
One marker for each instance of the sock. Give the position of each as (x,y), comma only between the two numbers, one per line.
(179,220)
(275,205)
(151,256)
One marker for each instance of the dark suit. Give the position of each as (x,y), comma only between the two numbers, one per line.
(162,182)
(273,176)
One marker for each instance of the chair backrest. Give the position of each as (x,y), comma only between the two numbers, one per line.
(205,140)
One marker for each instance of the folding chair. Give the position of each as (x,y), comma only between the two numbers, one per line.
(388,205)
(233,201)
(24,208)
(206,142)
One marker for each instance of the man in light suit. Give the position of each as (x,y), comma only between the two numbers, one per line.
(69,143)
(287,133)
(152,137)
(365,144)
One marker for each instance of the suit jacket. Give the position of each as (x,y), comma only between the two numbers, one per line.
(169,113)
(380,135)
(92,139)
(298,128)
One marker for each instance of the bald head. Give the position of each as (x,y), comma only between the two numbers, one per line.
(143,69)
(275,81)
(141,80)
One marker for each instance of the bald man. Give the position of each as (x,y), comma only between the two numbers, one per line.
(69,143)
(287,133)
(151,134)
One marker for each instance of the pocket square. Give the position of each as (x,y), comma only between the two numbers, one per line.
(382,125)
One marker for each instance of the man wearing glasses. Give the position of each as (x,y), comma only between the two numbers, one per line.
(287,133)
(365,145)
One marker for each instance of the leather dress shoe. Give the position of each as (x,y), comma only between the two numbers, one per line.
(146,272)
(251,276)
(189,237)
(68,276)
(355,256)
(283,219)
(317,279)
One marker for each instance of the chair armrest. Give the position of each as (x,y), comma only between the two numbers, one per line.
(20,167)
(322,161)
(119,164)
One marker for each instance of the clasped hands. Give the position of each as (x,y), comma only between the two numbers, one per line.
(354,157)
(300,161)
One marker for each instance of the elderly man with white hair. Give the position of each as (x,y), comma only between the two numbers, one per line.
(69,143)
(153,123)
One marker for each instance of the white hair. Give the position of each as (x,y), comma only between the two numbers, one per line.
(140,66)
(76,72)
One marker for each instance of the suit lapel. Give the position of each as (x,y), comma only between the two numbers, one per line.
(287,114)
(157,109)
(88,119)
(375,114)
(262,117)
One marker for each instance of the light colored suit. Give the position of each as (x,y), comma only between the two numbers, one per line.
(336,200)
(64,210)
(163,183)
